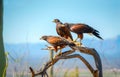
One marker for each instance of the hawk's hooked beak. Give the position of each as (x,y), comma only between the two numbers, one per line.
(41,38)
(53,21)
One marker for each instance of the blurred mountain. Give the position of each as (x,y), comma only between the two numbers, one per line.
(109,50)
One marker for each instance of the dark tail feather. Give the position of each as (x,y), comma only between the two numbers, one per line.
(96,33)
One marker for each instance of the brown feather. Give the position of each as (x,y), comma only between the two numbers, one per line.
(62,30)
(56,42)
(82,28)
(80,36)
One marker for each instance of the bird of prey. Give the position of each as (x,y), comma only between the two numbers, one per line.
(57,41)
(62,30)
(81,28)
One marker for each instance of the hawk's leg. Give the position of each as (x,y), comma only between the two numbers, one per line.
(76,39)
(80,42)
(60,53)
(81,37)
(77,43)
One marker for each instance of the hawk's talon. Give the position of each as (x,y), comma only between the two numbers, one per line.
(78,43)
(75,40)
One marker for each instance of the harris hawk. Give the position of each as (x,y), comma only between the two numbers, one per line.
(57,41)
(81,28)
(62,30)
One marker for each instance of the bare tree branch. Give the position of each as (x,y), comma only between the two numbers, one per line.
(83,60)
(49,63)
(66,55)
(94,53)
(32,72)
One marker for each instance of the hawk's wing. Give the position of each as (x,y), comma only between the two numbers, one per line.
(63,31)
(81,28)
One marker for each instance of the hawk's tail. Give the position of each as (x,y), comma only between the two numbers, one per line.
(96,33)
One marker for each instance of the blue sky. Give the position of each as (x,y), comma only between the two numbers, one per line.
(25,21)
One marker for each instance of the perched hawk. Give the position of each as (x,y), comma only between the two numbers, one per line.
(80,28)
(62,30)
(57,41)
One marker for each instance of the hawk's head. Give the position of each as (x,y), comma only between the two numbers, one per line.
(43,38)
(56,20)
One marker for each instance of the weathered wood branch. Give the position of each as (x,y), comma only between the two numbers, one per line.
(94,53)
(94,72)
(66,55)
(42,72)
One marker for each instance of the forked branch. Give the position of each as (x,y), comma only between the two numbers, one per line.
(67,55)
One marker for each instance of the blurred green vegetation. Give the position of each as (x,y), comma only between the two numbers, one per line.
(3,65)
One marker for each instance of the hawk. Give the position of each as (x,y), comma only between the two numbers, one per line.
(62,30)
(57,41)
(81,28)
